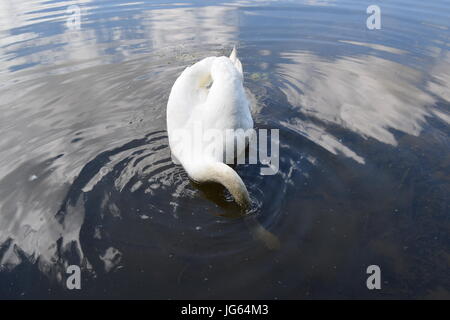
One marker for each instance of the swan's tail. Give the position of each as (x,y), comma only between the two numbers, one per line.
(233,55)
(221,173)
(236,62)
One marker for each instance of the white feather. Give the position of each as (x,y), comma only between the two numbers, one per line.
(210,94)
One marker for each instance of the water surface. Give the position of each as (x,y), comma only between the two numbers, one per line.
(86,176)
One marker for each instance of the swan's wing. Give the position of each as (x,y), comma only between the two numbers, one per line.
(188,92)
(236,62)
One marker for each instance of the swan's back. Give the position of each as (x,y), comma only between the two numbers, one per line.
(209,94)
(189,90)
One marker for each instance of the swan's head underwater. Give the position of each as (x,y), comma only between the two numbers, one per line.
(208,114)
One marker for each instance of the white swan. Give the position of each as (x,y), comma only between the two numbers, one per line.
(206,100)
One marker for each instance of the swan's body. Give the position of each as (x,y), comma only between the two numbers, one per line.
(210,95)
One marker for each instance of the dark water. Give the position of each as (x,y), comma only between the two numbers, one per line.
(86,176)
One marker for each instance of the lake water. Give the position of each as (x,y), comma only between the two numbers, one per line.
(86,176)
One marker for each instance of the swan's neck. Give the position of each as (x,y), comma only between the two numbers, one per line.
(221,173)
